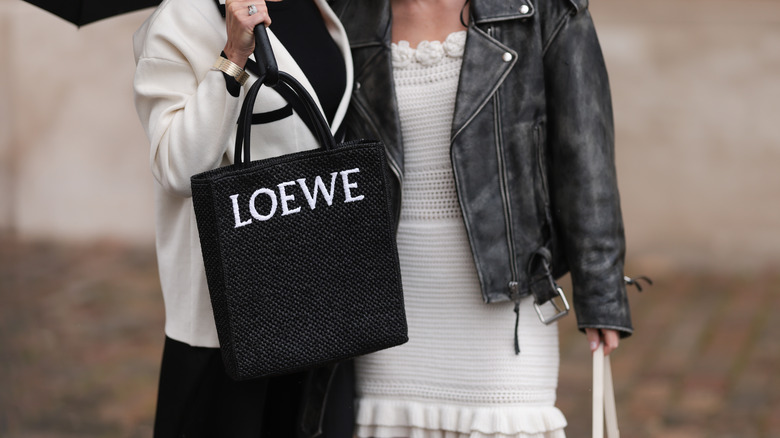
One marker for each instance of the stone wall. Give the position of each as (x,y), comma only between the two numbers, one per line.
(75,159)
(696,88)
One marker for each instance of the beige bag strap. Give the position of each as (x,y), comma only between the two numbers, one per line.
(603,397)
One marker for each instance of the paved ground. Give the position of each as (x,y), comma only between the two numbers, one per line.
(80,338)
(703,361)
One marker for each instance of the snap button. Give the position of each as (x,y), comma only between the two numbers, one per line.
(357,85)
(524,9)
(507,57)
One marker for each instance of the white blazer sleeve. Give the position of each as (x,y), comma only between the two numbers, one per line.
(188,123)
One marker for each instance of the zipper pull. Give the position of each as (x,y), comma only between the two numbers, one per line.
(517,323)
(514,292)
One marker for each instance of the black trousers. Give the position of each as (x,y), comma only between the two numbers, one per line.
(197,399)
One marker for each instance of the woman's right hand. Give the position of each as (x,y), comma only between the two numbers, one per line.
(240,28)
(610,339)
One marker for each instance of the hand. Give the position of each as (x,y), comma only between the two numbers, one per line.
(240,28)
(609,337)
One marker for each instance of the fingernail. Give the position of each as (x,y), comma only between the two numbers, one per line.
(594,345)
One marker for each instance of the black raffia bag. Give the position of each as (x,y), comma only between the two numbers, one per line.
(299,250)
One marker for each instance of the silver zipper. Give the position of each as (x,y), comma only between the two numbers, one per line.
(505,195)
(513,284)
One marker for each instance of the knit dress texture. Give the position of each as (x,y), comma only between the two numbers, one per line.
(458,376)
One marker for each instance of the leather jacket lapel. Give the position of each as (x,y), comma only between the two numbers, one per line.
(368,26)
(486,11)
(375,84)
(493,61)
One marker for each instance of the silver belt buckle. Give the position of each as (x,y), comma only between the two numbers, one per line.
(561,312)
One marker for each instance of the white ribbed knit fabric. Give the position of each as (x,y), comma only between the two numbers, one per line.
(458,376)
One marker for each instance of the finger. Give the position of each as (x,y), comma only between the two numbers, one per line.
(241,10)
(594,338)
(262,10)
(611,340)
(240,28)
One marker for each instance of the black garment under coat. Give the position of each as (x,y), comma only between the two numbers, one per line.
(532,147)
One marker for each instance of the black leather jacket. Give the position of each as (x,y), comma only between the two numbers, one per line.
(532,147)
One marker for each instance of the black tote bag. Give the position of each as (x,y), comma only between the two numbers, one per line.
(299,250)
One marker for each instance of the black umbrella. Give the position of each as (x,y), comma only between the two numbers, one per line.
(81,12)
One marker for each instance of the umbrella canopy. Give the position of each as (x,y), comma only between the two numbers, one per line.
(81,12)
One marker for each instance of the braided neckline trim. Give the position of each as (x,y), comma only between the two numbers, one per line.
(429,52)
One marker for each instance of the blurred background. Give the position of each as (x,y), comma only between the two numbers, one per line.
(696,91)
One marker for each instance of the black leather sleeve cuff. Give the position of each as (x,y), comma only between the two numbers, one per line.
(601,301)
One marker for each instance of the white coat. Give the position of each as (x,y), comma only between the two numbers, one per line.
(190,120)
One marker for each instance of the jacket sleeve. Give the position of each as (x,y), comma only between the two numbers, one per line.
(188,119)
(584,192)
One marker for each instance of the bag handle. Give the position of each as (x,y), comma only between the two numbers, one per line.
(604,408)
(271,76)
(265,56)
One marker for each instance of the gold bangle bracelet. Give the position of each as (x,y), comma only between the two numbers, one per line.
(232,69)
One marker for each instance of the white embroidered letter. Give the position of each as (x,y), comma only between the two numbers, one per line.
(237,214)
(253,209)
(285,197)
(319,186)
(347,186)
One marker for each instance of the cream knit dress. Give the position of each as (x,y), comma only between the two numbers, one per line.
(458,376)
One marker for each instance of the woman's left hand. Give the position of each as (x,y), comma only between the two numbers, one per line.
(609,337)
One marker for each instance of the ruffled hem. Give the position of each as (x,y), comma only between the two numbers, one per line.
(382,418)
